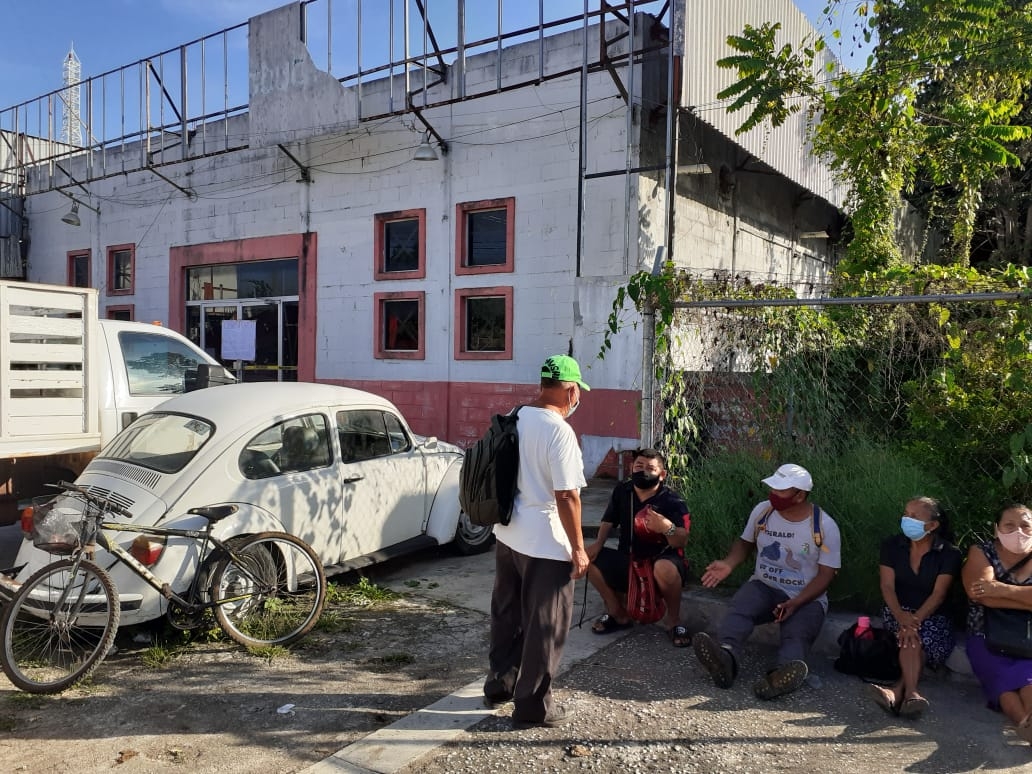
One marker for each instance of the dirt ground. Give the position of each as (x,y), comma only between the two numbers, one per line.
(215,707)
(641,705)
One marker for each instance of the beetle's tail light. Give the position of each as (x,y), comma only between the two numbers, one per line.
(28,519)
(147,550)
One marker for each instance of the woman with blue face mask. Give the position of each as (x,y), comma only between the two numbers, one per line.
(917,566)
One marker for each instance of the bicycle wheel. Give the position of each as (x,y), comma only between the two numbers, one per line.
(271,592)
(59,626)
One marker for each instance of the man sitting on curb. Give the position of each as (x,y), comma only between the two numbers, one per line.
(668,524)
(798,554)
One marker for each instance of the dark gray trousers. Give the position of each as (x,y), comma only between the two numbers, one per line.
(531,609)
(754,604)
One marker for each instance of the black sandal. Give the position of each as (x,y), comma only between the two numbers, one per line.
(679,636)
(606,624)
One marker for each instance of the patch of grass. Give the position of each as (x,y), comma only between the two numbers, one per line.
(87,686)
(412,583)
(720,492)
(213,634)
(362,594)
(334,622)
(27,700)
(160,655)
(269,652)
(390,661)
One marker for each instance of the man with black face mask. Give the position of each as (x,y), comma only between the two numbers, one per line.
(797,555)
(662,540)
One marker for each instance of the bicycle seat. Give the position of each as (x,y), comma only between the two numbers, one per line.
(214,513)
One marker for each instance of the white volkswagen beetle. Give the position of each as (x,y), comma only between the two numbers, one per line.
(337,467)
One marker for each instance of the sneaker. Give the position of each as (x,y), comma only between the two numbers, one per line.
(557,716)
(495,692)
(783,680)
(716,659)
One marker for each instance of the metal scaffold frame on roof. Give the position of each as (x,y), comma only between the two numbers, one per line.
(180,104)
(192,101)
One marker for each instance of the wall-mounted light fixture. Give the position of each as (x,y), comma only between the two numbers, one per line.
(72,216)
(425,151)
(813,234)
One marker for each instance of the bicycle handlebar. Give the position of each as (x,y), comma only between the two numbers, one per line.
(103,503)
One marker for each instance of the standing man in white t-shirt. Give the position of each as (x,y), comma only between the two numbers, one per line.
(539,553)
(797,555)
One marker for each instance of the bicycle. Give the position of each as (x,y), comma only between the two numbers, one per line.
(264,589)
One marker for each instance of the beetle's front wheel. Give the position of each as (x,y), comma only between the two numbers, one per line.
(472,538)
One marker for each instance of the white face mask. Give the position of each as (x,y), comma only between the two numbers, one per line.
(1017,542)
(572,408)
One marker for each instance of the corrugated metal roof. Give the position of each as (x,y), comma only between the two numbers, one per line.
(707,26)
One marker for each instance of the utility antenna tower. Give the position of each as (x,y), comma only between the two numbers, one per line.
(71,127)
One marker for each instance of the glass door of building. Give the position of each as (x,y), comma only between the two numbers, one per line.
(275,327)
(265,292)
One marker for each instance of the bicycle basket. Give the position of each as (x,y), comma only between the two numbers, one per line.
(56,528)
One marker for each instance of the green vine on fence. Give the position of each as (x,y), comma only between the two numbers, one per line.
(949,380)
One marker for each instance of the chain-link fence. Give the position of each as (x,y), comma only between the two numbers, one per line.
(881,398)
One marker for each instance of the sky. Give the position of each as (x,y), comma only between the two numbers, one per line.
(108,34)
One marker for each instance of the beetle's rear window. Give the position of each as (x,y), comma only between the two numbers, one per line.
(162,442)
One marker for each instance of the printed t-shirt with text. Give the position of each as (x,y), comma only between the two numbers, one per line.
(786,554)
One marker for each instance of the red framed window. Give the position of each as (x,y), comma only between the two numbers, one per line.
(79,269)
(483,323)
(485,236)
(121,312)
(121,270)
(399,245)
(400,325)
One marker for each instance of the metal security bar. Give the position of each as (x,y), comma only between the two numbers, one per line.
(192,100)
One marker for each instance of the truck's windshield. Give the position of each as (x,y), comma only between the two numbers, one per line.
(164,442)
(156,364)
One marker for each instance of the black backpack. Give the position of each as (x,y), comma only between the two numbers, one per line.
(487,483)
(875,660)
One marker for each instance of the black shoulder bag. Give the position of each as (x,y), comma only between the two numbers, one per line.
(1008,631)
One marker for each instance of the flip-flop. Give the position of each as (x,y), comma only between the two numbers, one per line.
(679,636)
(606,624)
(913,708)
(883,697)
(1025,729)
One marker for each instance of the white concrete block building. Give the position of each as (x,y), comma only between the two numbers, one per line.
(441,284)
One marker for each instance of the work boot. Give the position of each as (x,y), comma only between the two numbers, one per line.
(783,680)
(717,660)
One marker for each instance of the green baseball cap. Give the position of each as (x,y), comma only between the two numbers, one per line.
(563,368)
